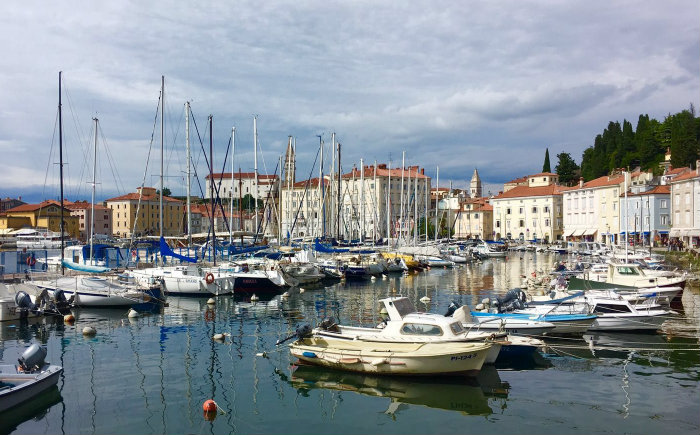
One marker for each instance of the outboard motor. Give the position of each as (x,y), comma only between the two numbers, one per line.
(304,331)
(32,358)
(329,324)
(59,296)
(513,300)
(24,302)
(452,308)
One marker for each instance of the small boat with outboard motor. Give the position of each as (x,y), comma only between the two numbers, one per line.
(24,381)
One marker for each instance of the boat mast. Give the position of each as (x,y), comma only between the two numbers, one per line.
(401,222)
(233,155)
(376,205)
(332,180)
(388,207)
(415,209)
(362,201)
(187,138)
(255,181)
(162,142)
(340,206)
(627,214)
(211,187)
(437,199)
(425,214)
(60,165)
(92,208)
(279,208)
(322,208)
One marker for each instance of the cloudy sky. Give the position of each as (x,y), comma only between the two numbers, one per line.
(454,84)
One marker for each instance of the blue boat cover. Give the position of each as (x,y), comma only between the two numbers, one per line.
(166,251)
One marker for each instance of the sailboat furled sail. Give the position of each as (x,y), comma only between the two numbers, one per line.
(165,251)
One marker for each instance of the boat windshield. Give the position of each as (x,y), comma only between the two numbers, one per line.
(404,306)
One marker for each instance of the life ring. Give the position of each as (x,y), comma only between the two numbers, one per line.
(133,253)
(31,261)
(209,315)
(209,277)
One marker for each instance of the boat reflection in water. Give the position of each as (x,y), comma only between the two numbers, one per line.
(469,396)
(35,409)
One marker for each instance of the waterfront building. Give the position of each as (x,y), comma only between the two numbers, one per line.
(309,207)
(530,208)
(474,219)
(241,184)
(224,219)
(646,214)
(83,211)
(125,221)
(592,209)
(8,203)
(46,214)
(685,206)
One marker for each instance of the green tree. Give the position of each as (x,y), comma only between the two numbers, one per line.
(566,169)
(546,167)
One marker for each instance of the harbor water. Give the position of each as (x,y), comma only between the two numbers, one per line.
(152,374)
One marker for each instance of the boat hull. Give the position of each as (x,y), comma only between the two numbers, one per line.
(25,386)
(393,358)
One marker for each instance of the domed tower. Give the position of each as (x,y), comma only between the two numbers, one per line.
(475,186)
(290,166)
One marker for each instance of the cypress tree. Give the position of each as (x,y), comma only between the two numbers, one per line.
(546,167)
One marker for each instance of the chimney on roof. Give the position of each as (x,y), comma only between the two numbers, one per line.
(422,171)
(580,182)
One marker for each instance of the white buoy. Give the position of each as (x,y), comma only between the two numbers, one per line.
(211,301)
(479,307)
(383,276)
(133,313)
(486,301)
(89,330)
(425,299)
(373,278)
(254,297)
(219,337)
(301,290)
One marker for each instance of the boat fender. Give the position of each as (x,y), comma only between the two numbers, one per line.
(209,277)
(379,361)
(32,358)
(309,354)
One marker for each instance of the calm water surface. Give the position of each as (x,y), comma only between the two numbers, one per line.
(151,375)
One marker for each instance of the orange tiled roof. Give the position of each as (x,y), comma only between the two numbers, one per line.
(134,196)
(688,175)
(656,190)
(34,207)
(526,191)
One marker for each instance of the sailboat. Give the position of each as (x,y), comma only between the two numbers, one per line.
(92,290)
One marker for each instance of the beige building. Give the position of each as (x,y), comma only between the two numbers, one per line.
(46,214)
(474,220)
(83,211)
(125,220)
(366,199)
(241,184)
(592,209)
(529,208)
(685,207)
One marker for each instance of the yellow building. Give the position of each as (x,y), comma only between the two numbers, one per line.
(125,220)
(46,214)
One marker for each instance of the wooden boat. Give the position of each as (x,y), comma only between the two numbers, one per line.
(23,382)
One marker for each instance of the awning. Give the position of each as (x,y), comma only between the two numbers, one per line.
(694,233)
(568,233)
(589,232)
(663,232)
(579,232)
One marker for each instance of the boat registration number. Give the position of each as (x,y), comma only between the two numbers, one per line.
(463,357)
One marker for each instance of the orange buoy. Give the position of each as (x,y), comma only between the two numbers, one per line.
(209,406)
(69,318)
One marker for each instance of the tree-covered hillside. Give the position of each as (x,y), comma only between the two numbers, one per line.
(622,146)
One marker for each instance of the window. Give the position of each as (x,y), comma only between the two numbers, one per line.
(546,209)
(498,224)
(534,223)
(508,210)
(522,210)
(522,223)
(677,199)
(546,222)
(534,209)
(664,203)
(664,219)
(420,329)
(456,327)
(476,215)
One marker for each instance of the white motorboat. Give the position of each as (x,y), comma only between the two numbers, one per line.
(491,249)
(23,382)
(393,358)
